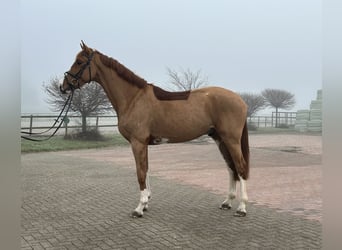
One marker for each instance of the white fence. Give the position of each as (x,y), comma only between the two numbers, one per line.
(282,119)
(109,123)
(40,123)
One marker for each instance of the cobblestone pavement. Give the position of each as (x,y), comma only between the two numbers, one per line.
(83,199)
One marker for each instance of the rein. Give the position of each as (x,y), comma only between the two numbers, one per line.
(67,104)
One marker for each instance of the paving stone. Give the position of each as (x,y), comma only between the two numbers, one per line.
(76,203)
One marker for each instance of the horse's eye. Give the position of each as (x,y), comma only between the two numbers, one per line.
(78,62)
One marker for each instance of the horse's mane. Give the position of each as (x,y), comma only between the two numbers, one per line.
(122,71)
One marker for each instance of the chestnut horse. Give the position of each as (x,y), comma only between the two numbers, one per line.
(148,115)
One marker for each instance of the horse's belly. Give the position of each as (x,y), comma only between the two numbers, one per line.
(173,132)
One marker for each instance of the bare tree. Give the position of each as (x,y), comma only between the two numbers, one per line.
(255,102)
(186,79)
(278,99)
(91,100)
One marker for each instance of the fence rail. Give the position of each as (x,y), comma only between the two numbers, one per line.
(39,123)
(109,123)
(282,119)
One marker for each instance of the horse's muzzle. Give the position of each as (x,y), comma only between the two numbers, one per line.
(63,91)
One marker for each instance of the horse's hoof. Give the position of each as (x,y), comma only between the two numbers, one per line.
(225,206)
(240,214)
(135,214)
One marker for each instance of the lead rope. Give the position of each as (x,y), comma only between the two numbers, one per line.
(67,103)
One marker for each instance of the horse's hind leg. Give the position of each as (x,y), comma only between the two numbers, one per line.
(227,203)
(233,177)
(234,147)
(241,210)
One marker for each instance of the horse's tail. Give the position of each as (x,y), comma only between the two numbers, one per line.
(245,150)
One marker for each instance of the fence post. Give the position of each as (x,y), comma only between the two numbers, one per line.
(258,121)
(97,122)
(286,118)
(31,121)
(66,121)
(66,129)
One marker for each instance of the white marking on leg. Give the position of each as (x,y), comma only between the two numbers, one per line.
(148,186)
(143,202)
(232,187)
(149,192)
(243,197)
(231,191)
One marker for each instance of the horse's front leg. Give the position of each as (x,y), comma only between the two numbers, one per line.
(141,162)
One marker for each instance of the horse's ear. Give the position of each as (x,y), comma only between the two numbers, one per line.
(83,45)
(85,48)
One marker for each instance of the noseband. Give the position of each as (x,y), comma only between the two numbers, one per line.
(76,77)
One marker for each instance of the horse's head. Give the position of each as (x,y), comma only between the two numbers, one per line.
(81,70)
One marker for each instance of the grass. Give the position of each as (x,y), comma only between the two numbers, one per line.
(58,143)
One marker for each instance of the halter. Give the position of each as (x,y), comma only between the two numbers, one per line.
(78,75)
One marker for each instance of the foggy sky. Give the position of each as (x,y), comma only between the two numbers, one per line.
(245,46)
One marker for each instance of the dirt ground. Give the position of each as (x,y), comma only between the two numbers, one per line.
(285,171)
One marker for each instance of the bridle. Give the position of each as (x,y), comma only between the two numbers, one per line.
(76,77)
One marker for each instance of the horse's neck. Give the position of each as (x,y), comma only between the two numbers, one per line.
(118,91)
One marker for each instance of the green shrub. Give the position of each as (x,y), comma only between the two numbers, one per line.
(89,135)
(252,127)
(283,125)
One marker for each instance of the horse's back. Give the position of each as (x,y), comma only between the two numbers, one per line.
(221,98)
(217,91)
